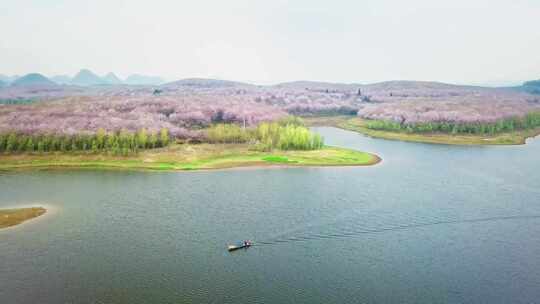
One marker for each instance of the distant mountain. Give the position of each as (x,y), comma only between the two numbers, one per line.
(111,78)
(7,79)
(532,83)
(2,84)
(87,78)
(385,85)
(205,83)
(61,79)
(532,86)
(315,85)
(4,78)
(33,79)
(416,85)
(137,79)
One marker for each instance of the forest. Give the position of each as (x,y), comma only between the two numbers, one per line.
(216,112)
(183,117)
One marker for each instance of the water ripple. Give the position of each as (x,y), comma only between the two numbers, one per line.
(360,231)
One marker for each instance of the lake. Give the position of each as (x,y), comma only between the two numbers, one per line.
(429,224)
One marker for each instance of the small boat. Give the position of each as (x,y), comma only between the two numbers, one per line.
(240,245)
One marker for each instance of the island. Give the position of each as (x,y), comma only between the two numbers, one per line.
(12,217)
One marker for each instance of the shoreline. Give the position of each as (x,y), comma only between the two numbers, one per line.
(209,158)
(17,216)
(355,124)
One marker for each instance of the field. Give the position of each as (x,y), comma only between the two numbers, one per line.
(190,157)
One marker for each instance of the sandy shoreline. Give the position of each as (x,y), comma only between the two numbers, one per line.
(244,166)
(46,211)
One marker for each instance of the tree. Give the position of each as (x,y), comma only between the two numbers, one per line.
(110,142)
(100,138)
(152,140)
(73,143)
(94,148)
(164,137)
(40,145)
(3,138)
(123,141)
(21,142)
(30,145)
(142,138)
(11,143)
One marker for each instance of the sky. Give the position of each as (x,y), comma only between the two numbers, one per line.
(493,42)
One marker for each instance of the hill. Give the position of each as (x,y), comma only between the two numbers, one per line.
(111,78)
(8,79)
(86,77)
(204,83)
(33,79)
(531,87)
(532,83)
(61,79)
(316,86)
(137,79)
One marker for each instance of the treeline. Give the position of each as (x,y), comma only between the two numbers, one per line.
(116,143)
(531,120)
(319,111)
(286,134)
(16,101)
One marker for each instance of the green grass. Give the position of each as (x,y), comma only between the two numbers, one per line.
(278,159)
(356,124)
(191,157)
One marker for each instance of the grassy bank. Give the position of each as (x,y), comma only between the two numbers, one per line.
(190,157)
(356,124)
(12,217)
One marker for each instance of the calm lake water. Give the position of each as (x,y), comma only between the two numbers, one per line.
(430,224)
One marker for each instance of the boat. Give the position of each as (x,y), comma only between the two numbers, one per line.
(240,245)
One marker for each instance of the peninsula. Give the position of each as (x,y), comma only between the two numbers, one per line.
(13,217)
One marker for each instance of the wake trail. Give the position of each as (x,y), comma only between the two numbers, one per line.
(356,231)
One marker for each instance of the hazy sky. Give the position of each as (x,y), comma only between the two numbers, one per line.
(460,41)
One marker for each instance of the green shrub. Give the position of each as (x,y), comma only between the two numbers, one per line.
(227,133)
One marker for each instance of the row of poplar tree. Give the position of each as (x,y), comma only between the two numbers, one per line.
(286,134)
(117,143)
(531,120)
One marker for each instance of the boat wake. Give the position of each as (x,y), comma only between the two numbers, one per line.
(346,233)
